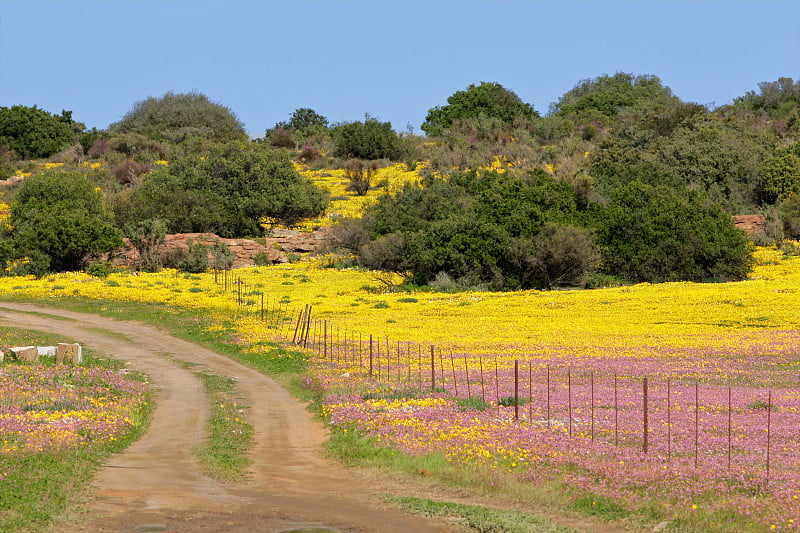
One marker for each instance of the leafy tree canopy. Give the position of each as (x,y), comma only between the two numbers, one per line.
(656,233)
(176,117)
(60,220)
(371,139)
(487,99)
(608,95)
(228,191)
(467,226)
(306,121)
(34,133)
(773,96)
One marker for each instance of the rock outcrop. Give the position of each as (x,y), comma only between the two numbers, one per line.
(276,249)
(751,224)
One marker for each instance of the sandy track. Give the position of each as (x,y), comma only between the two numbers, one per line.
(157,481)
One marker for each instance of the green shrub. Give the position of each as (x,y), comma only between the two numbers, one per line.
(370,140)
(487,100)
(34,133)
(100,269)
(472,403)
(222,257)
(196,259)
(227,192)
(508,401)
(177,117)
(62,216)
(262,259)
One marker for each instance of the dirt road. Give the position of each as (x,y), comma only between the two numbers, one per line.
(156,484)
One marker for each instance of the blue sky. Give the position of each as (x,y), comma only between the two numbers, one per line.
(392,59)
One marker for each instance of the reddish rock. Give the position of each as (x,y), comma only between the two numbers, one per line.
(751,224)
(244,250)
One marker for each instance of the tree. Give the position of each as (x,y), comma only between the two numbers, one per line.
(775,97)
(557,256)
(370,139)
(487,99)
(466,226)
(608,95)
(359,175)
(779,176)
(33,133)
(146,236)
(228,191)
(655,233)
(61,217)
(176,117)
(305,122)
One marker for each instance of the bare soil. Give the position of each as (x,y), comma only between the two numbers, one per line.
(157,484)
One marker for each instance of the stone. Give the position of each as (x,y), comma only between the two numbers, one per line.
(750,224)
(278,244)
(46,351)
(26,353)
(69,353)
(661,526)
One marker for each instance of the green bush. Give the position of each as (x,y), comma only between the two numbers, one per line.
(779,176)
(222,257)
(228,191)
(370,139)
(262,259)
(489,100)
(558,256)
(100,269)
(508,401)
(62,216)
(657,234)
(196,259)
(176,117)
(146,236)
(34,133)
(303,125)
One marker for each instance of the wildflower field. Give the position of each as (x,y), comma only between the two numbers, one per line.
(56,424)
(344,204)
(678,401)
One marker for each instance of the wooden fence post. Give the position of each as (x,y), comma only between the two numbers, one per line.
(433,371)
(644,415)
(516,389)
(569,400)
(548,397)
(466,371)
(453,366)
(769,427)
(591,399)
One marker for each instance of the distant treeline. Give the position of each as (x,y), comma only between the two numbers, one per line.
(620,181)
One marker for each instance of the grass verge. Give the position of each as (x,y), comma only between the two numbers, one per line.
(42,487)
(224,454)
(480,519)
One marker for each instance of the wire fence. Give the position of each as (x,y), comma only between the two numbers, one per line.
(671,420)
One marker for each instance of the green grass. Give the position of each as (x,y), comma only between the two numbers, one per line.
(478,518)
(44,486)
(224,454)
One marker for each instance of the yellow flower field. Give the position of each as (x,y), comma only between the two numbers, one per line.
(758,315)
(346,204)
